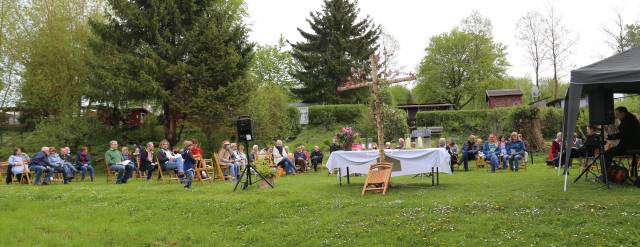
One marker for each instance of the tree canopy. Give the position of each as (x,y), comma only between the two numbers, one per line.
(179,54)
(339,40)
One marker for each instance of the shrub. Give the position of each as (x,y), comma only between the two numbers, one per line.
(271,115)
(335,114)
(70,131)
(394,123)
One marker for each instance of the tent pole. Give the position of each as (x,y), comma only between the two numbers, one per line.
(571,116)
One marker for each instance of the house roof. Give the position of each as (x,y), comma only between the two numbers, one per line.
(504,92)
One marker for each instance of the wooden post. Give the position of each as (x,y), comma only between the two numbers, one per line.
(377,105)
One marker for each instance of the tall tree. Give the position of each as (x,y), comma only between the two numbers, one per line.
(273,66)
(617,37)
(633,35)
(530,32)
(14,30)
(339,40)
(455,65)
(55,64)
(179,54)
(559,43)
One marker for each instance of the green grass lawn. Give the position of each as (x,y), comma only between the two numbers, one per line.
(467,209)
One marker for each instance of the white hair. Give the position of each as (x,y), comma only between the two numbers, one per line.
(44,149)
(113,142)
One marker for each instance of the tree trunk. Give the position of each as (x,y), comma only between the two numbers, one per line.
(170,124)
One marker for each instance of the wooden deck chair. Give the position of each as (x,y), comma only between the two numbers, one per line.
(203,168)
(219,168)
(161,176)
(378,178)
(480,163)
(137,172)
(25,178)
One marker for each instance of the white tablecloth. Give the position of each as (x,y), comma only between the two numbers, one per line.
(410,161)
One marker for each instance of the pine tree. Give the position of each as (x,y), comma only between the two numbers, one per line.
(179,54)
(338,42)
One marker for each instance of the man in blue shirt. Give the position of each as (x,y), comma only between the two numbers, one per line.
(490,151)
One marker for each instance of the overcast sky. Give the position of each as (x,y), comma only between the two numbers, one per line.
(413,22)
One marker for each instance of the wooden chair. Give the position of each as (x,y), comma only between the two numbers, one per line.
(378,178)
(201,167)
(108,172)
(161,176)
(480,162)
(219,168)
(137,172)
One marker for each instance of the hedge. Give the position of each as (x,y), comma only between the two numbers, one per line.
(335,114)
(537,122)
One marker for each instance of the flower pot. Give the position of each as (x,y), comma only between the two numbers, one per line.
(347,146)
(263,184)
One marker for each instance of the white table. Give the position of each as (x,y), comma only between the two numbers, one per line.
(407,162)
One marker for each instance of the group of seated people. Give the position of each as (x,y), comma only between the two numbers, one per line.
(510,151)
(279,155)
(48,162)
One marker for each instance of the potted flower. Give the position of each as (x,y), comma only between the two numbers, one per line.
(268,172)
(346,137)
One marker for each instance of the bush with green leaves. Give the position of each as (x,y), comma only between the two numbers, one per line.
(69,131)
(394,123)
(272,118)
(335,114)
(264,169)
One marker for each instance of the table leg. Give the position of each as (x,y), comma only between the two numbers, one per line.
(340,176)
(438,175)
(433,177)
(348,178)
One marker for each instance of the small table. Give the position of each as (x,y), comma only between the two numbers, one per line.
(406,162)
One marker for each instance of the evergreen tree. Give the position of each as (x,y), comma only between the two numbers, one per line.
(337,42)
(179,54)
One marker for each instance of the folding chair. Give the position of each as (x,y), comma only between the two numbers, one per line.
(202,167)
(161,177)
(108,172)
(378,178)
(219,168)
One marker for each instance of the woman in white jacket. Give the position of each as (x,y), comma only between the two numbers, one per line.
(281,158)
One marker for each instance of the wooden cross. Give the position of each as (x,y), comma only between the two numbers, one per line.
(358,80)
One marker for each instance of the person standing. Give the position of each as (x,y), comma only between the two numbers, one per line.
(84,163)
(40,164)
(189,164)
(117,163)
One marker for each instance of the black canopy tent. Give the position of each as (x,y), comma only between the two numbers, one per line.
(619,74)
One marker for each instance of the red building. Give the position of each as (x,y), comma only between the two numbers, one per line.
(504,97)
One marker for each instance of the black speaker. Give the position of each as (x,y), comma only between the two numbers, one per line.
(601,107)
(245,132)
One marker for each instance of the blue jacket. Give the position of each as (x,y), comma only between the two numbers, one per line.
(486,151)
(516,145)
(189,161)
(40,159)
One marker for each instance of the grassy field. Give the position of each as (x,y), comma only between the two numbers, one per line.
(467,209)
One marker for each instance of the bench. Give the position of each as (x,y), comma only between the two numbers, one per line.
(436,130)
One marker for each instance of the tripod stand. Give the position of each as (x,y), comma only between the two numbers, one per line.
(600,157)
(246,174)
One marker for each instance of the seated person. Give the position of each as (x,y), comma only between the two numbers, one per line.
(255,154)
(554,151)
(226,159)
(442,143)
(17,164)
(515,152)
(39,164)
(469,151)
(169,160)
(491,151)
(452,149)
(83,163)
(60,165)
(628,134)
(281,158)
(116,162)
(65,155)
(401,144)
(148,160)
(316,158)
(301,159)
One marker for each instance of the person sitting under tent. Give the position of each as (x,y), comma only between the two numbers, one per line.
(628,134)
(515,152)
(16,164)
(39,164)
(491,150)
(116,162)
(554,151)
(83,163)
(469,151)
